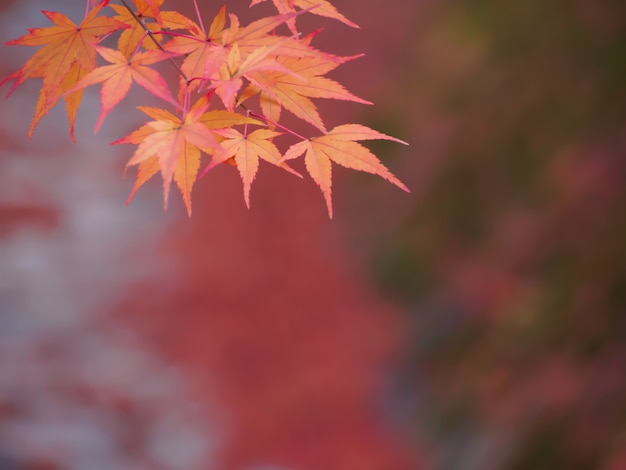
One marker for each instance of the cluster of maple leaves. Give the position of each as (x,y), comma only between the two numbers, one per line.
(220,68)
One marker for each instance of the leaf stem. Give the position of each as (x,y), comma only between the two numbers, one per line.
(195,4)
(286,129)
(138,47)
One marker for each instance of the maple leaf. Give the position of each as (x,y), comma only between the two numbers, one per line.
(135,33)
(207,51)
(187,162)
(340,146)
(258,29)
(227,80)
(317,7)
(72,98)
(293,90)
(117,78)
(169,139)
(204,51)
(284,70)
(67,54)
(261,33)
(247,150)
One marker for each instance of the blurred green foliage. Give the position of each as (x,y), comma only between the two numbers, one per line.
(512,265)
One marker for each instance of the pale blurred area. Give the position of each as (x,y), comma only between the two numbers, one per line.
(475,324)
(78,390)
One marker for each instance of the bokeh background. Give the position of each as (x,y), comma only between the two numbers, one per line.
(477,323)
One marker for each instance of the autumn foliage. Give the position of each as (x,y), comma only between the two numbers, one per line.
(234,82)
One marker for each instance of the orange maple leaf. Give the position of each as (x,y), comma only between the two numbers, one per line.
(317,7)
(293,90)
(340,146)
(188,161)
(261,33)
(135,33)
(72,98)
(247,150)
(227,80)
(117,78)
(67,54)
(204,50)
(285,70)
(168,138)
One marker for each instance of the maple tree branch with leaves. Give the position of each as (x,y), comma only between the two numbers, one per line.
(220,69)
